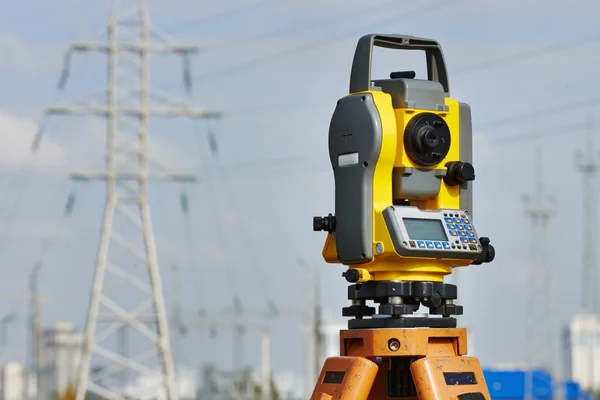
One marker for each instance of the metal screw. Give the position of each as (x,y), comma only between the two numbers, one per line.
(393,344)
(379,248)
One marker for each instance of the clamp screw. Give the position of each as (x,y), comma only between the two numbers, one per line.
(393,344)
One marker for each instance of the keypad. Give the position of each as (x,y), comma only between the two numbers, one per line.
(460,231)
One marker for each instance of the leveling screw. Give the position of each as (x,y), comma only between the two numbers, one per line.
(393,344)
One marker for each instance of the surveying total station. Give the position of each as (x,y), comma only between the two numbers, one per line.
(401,152)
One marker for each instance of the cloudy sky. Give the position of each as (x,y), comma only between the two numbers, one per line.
(275,69)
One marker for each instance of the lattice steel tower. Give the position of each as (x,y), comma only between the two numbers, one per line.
(588,164)
(541,333)
(127,288)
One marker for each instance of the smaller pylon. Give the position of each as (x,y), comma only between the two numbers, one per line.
(588,163)
(541,319)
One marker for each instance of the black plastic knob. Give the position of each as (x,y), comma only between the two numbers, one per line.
(488,253)
(324,223)
(352,275)
(459,172)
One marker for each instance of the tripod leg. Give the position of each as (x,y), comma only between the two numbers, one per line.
(457,377)
(350,378)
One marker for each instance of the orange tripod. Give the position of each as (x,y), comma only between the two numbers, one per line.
(410,361)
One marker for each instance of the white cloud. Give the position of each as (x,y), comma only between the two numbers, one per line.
(84,152)
(16,136)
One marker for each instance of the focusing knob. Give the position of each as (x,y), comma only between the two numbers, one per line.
(324,223)
(459,172)
(487,254)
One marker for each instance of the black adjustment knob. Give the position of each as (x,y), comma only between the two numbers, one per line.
(352,275)
(488,253)
(324,223)
(459,172)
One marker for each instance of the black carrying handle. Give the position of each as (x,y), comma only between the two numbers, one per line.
(360,76)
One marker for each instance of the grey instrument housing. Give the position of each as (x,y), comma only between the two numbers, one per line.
(355,136)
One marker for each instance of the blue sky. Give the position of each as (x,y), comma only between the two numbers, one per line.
(276,70)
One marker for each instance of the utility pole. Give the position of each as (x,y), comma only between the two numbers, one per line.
(588,164)
(36,328)
(134,297)
(317,324)
(314,356)
(541,320)
(265,364)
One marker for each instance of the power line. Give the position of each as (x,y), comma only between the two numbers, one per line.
(541,133)
(515,139)
(571,106)
(395,17)
(300,28)
(245,234)
(211,18)
(526,55)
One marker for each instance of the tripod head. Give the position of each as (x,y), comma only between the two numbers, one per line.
(401,153)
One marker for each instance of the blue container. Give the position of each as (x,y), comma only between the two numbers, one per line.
(506,385)
(572,390)
(586,396)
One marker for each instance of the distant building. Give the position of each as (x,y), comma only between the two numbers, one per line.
(149,387)
(61,351)
(331,336)
(584,351)
(12,378)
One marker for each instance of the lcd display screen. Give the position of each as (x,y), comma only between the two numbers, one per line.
(425,229)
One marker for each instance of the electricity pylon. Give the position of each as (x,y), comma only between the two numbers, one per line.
(541,309)
(135,298)
(588,164)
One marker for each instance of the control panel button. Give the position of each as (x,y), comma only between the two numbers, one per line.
(473,247)
(451,226)
(421,244)
(438,245)
(446,245)
(449,220)
(453,233)
(412,243)
(429,245)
